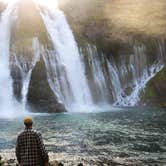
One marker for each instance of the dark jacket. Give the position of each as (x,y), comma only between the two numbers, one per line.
(30,150)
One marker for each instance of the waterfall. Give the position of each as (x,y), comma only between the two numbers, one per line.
(27,75)
(82,78)
(116,84)
(133,98)
(94,66)
(141,72)
(68,73)
(102,82)
(26,70)
(7,103)
(125,80)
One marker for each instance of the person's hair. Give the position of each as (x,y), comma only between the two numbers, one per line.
(60,164)
(28,124)
(0,157)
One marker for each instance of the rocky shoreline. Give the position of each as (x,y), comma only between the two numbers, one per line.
(9,159)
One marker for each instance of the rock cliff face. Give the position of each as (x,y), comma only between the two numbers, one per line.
(116,28)
(111,24)
(154,93)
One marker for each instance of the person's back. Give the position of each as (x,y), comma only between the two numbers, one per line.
(30,150)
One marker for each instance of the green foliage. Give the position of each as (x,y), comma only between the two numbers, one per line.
(2,163)
(154,92)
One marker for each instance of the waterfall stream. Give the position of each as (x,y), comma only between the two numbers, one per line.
(7,103)
(26,73)
(67,66)
(82,78)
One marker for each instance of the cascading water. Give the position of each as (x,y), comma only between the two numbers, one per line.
(68,74)
(26,70)
(133,98)
(7,103)
(82,79)
(123,80)
(98,84)
(141,74)
(66,69)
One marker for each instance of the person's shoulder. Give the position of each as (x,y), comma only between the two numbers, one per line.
(21,133)
(36,132)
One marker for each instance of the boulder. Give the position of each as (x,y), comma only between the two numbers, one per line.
(40,96)
(154,93)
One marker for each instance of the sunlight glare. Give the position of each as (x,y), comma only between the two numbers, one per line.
(47,3)
(6,1)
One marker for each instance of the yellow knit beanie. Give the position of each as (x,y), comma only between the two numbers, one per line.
(28,120)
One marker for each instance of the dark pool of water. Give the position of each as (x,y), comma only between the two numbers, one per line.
(137,135)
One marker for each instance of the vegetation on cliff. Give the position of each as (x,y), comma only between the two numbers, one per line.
(154,93)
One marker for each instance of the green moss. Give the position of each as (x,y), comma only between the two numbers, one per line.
(154,92)
(149,93)
(161,76)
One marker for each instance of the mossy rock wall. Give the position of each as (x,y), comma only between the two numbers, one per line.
(116,28)
(155,92)
(112,25)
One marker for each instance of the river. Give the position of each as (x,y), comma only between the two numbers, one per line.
(130,136)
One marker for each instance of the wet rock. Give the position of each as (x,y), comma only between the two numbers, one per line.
(17,81)
(105,31)
(40,96)
(154,93)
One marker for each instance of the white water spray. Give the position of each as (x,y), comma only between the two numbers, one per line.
(67,67)
(27,75)
(7,103)
(142,74)
(26,70)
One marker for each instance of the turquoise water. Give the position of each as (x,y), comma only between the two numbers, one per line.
(128,135)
